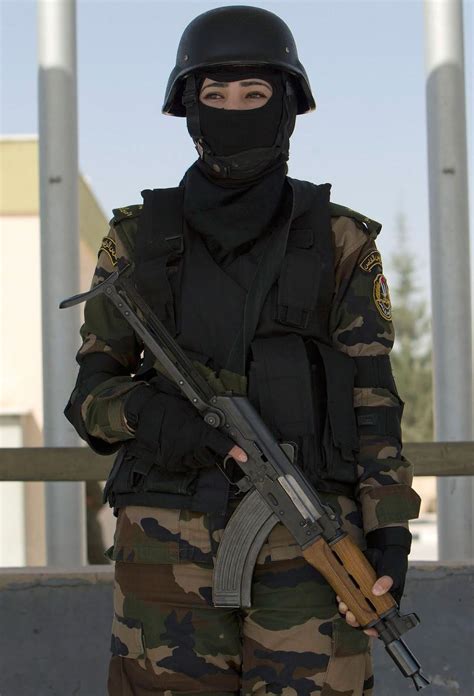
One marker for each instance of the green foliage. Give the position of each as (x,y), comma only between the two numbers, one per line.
(411,355)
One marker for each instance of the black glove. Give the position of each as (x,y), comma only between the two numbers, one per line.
(387,551)
(170,428)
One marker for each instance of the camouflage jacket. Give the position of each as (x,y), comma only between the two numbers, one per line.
(360,325)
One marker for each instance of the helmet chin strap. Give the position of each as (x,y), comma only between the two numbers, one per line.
(249,163)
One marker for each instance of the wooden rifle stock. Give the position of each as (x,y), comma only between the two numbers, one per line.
(351,576)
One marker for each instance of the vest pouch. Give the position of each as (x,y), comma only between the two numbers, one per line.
(138,473)
(108,494)
(158,249)
(306,282)
(152,282)
(298,286)
(178,482)
(280,386)
(119,480)
(182,480)
(333,375)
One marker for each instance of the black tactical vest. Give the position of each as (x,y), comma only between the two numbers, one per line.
(264,315)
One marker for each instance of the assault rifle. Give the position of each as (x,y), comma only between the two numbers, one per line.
(276,491)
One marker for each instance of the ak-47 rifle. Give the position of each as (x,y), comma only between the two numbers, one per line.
(276,491)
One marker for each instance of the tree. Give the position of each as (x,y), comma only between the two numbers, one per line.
(411,355)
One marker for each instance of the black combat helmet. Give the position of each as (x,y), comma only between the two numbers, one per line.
(233,36)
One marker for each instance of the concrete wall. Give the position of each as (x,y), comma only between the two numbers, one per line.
(55,632)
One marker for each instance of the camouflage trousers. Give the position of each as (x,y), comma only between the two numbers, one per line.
(169,639)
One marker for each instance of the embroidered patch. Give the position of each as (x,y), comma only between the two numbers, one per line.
(108,245)
(382,297)
(371,260)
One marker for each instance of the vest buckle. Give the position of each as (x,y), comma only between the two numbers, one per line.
(175,243)
(293,316)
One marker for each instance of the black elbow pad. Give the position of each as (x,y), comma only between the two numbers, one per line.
(374,371)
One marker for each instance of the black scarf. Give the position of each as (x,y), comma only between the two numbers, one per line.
(230,219)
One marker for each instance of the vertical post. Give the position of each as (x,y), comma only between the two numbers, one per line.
(58,149)
(450,270)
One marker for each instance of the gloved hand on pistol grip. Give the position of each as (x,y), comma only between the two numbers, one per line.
(387,551)
(170,427)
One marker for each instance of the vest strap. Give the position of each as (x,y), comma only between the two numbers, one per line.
(340,369)
(297,289)
(306,280)
(160,241)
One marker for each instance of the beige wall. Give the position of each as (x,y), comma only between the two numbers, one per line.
(19,188)
(20,316)
(22,530)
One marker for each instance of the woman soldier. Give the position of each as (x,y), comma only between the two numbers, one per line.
(274,292)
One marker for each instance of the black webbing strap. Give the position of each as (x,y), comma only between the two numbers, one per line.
(339,369)
(190,103)
(283,381)
(159,240)
(307,278)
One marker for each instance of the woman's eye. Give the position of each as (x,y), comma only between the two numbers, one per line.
(213,95)
(257,95)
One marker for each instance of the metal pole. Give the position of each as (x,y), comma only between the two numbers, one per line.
(450,271)
(58,149)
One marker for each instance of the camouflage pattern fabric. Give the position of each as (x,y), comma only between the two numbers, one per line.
(361,326)
(167,638)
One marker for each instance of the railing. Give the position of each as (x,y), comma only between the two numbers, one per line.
(82,464)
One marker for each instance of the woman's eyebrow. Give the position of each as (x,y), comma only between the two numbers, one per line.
(216,84)
(250,83)
(244,83)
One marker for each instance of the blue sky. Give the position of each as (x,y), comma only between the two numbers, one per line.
(365,61)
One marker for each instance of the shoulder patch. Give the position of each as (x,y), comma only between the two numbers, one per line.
(369,262)
(108,245)
(372,227)
(125,213)
(382,297)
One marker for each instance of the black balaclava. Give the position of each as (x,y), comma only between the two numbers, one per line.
(233,191)
(230,131)
(239,145)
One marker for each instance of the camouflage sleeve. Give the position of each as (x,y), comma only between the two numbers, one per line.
(361,327)
(108,357)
